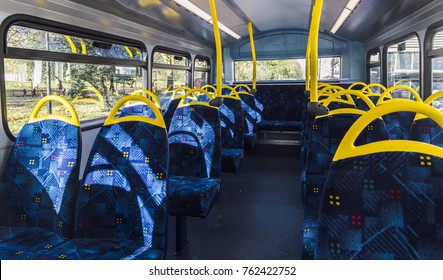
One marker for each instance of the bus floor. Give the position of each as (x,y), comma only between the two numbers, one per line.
(258,215)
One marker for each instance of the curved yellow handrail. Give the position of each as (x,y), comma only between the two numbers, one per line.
(433,97)
(71,120)
(329,89)
(158,121)
(357,84)
(342,111)
(210,87)
(387,94)
(347,148)
(192,92)
(80,99)
(184,88)
(335,97)
(242,85)
(150,94)
(368,87)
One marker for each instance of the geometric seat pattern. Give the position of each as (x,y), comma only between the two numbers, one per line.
(137,110)
(168,114)
(121,207)
(326,135)
(232,137)
(250,119)
(399,124)
(383,206)
(427,131)
(195,160)
(38,188)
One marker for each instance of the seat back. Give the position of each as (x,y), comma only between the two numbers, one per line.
(250,112)
(194,142)
(140,108)
(231,117)
(381,199)
(124,190)
(38,187)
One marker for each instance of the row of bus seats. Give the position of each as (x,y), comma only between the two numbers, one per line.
(368,195)
(118,212)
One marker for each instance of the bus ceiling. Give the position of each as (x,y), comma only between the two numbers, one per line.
(178,19)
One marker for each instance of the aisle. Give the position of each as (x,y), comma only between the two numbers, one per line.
(258,215)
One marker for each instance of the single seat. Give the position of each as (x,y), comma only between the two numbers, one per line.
(381,200)
(38,187)
(327,134)
(121,208)
(194,164)
(250,112)
(232,137)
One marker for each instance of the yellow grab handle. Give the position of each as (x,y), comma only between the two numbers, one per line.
(433,97)
(347,148)
(148,93)
(174,94)
(158,121)
(193,93)
(342,111)
(347,92)
(209,87)
(388,91)
(368,87)
(357,84)
(242,85)
(71,120)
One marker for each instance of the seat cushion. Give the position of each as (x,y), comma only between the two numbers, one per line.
(26,243)
(102,249)
(231,159)
(189,196)
(280,125)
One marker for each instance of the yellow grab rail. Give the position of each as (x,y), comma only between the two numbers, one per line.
(218,48)
(149,94)
(242,85)
(71,120)
(193,92)
(347,148)
(335,97)
(175,92)
(158,121)
(254,57)
(433,97)
(368,87)
(387,94)
(313,48)
(210,87)
(357,84)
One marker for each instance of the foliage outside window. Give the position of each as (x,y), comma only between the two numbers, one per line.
(329,68)
(169,72)
(201,72)
(403,66)
(93,88)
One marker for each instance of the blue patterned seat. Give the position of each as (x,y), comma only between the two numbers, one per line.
(195,159)
(121,208)
(169,112)
(327,134)
(232,137)
(138,110)
(399,124)
(381,203)
(250,113)
(426,130)
(38,187)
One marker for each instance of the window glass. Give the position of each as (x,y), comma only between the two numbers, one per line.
(201,72)
(92,89)
(403,65)
(35,39)
(437,41)
(375,78)
(374,57)
(170,59)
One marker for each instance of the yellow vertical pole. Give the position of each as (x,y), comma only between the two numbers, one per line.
(254,57)
(218,48)
(308,64)
(314,30)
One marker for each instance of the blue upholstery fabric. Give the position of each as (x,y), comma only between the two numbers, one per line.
(169,112)
(399,124)
(232,137)
(250,114)
(38,188)
(280,125)
(123,197)
(195,160)
(102,249)
(382,206)
(327,133)
(426,130)
(138,110)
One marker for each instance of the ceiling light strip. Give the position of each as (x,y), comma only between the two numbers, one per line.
(345,14)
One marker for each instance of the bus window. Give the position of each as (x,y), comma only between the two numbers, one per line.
(107,71)
(437,66)
(374,69)
(403,65)
(202,69)
(169,72)
(329,68)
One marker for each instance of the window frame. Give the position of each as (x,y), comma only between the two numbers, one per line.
(370,64)
(384,65)
(65,29)
(166,50)
(430,54)
(199,69)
